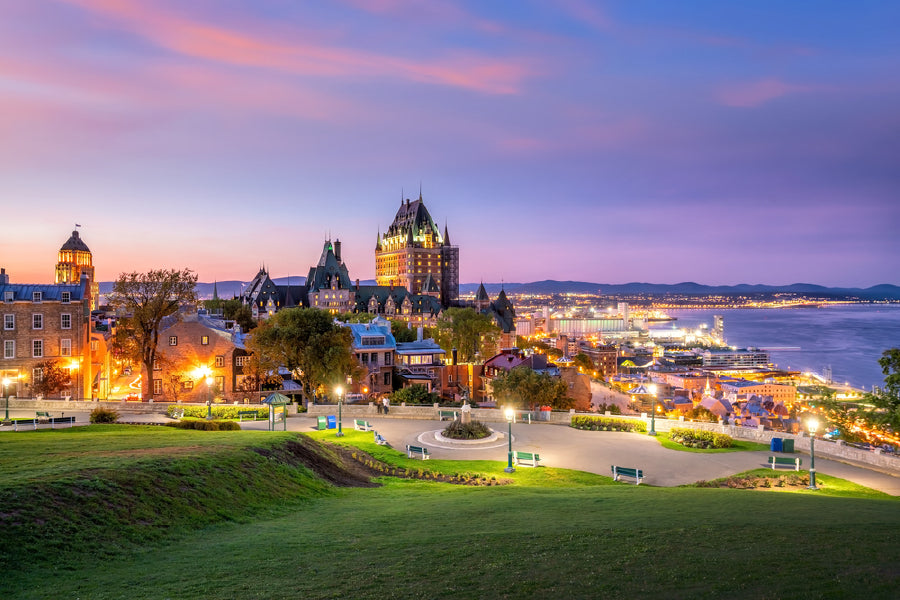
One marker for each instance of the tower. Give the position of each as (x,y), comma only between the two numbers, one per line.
(75,260)
(412,249)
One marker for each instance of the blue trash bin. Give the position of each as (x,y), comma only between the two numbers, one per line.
(332,423)
(776,444)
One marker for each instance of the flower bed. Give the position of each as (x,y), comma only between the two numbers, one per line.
(608,424)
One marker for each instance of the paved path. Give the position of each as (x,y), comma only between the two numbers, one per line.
(563,446)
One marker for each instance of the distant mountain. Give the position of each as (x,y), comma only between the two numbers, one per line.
(884,291)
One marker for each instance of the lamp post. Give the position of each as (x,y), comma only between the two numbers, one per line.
(209,381)
(652,388)
(812,425)
(509,419)
(340,392)
(6,420)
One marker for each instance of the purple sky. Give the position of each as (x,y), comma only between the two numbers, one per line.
(717,142)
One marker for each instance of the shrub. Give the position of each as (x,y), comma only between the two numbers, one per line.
(697,438)
(473,430)
(607,424)
(104,415)
(218,412)
(701,413)
(203,425)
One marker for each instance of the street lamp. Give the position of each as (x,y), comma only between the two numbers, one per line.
(652,388)
(6,420)
(510,413)
(812,425)
(209,381)
(339,391)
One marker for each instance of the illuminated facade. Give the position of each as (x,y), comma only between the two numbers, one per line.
(75,259)
(412,249)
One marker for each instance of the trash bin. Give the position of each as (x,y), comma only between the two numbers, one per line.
(787,445)
(545,413)
(322,423)
(332,422)
(776,444)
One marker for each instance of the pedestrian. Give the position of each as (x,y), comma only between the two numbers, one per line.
(380,407)
(386,403)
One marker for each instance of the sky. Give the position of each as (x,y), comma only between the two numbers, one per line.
(611,142)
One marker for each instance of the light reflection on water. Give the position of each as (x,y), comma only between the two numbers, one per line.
(850,338)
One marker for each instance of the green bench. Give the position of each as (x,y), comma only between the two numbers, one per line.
(379,439)
(177,413)
(42,414)
(636,474)
(789,461)
(447,414)
(362,425)
(420,450)
(526,457)
(524,416)
(250,414)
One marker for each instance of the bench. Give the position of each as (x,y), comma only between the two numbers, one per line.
(636,474)
(447,414)
(42,415)
(421,450)
(250,414)
(379,439)
(790,461)
(178,413)
(362,425)
(530,457)
(524,416)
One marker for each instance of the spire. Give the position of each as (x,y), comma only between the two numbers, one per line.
(420,191)
(378,241)
(409,236)
(215,290)
(446,234)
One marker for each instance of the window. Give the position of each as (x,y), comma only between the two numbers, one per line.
(220,361)
(9,349)
(9,296)
(387,379)
(157,365)
(220,383)
(387,358)
(65,321)
(65,297)
(372,340)
(204,340)
(157,386)
(9,322)
(37,375)
(187,385)
(37,296)
(37,348)
(173,340)
(65,347)
(37,321)
(94,345)
(240,361)
(364,358)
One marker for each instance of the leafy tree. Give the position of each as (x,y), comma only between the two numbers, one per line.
(886,414)
(356,317)
(583,361)
(415,394)
(233,310)
(308,343)
(145,299)
(401,332)
(467,330)
(524,387)
(54,378)
(701,413)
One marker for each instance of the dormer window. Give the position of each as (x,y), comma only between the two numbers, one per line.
(37,296)
(66,297)
(9,296)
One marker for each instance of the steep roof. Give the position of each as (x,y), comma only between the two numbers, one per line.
(429,286)
(75,243)
(328,271)
(481,295)
(413,219)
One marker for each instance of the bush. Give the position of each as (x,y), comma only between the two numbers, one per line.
(696,438)
(608,424)
(415,395)
(473,430)
(218,412)
(203,425)
(104,415)
(612,408)
(701,413)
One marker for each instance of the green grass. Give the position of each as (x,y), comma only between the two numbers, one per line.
(220,521)
(826,484)
(739,446)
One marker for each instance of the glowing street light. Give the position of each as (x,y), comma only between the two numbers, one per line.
(812,425)
(204,372)
(340,392)
(510,414)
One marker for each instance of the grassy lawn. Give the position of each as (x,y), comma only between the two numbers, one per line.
(268,530)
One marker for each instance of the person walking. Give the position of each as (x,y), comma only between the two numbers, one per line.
(387,403)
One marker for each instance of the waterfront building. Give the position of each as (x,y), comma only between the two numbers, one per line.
(783,394)
(412,249)
(741,358)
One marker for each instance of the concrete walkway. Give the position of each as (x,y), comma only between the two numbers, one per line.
(563,446)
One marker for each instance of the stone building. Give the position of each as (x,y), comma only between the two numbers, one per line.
(73,261)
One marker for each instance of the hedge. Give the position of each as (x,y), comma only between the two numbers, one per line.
(228,411)
(698,438)
(607,424)
(204,425)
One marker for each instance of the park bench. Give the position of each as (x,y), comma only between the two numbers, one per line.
(178,413)
(250,414)
(447,414)
(379,439)
(42,415)
(528,457)
(790,461)
(421,450)
(636,474)
(362,425)
(524,416)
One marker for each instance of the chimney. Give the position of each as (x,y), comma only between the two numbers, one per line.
(454,356)
(337,250)
(4,278)
(357,284)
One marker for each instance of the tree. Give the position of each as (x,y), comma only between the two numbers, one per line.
(467,330)
(401,332)
(308,343)
(54,378)
(583,362)
(886,401)
(524,387)
(356,317)
(145,299)
(415,394)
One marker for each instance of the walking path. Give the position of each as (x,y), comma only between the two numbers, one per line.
(563,446)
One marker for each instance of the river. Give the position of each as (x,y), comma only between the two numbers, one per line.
(850,338)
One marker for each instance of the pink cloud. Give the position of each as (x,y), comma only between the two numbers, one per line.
(263,49)
(756,93)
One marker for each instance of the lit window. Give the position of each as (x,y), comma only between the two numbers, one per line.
(220,361)
(65,347)
(157,386)
(173,340)
(204,340)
